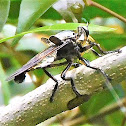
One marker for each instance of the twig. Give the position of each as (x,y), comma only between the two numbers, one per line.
(35,107)
(92,3)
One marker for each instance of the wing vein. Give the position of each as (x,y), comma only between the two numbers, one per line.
(35,60)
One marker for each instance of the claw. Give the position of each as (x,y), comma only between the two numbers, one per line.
(119,51)
(51,99)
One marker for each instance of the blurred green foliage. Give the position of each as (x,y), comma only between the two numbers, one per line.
(117,6)
(4,10)
(25,15)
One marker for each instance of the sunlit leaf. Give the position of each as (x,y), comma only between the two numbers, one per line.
(65,26)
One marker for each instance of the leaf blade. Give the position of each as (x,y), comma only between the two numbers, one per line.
(65,26)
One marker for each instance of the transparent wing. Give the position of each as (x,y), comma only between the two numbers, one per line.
(35,60)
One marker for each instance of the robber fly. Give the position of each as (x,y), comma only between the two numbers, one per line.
(66,45)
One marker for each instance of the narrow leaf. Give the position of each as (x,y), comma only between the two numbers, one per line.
(66,26)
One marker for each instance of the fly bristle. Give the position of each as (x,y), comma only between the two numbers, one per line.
(20,78)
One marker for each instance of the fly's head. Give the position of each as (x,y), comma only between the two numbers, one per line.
(82,35)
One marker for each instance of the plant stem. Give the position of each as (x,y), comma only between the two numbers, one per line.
(92,3)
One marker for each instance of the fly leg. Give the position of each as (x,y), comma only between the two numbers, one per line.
(100,49)
(56,85)
(49,75)
(57,64)
(108,84)
(96,53)
(75,65)
(95,68)
(63,76)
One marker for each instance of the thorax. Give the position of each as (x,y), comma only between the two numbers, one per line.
(68,52)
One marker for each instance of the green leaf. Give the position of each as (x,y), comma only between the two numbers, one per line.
(14,9)
(110,41)
(4,10)
(115,119)
(96,102)
(30,11)
(51,13)
(5,86)
(100,100)
(65,26)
